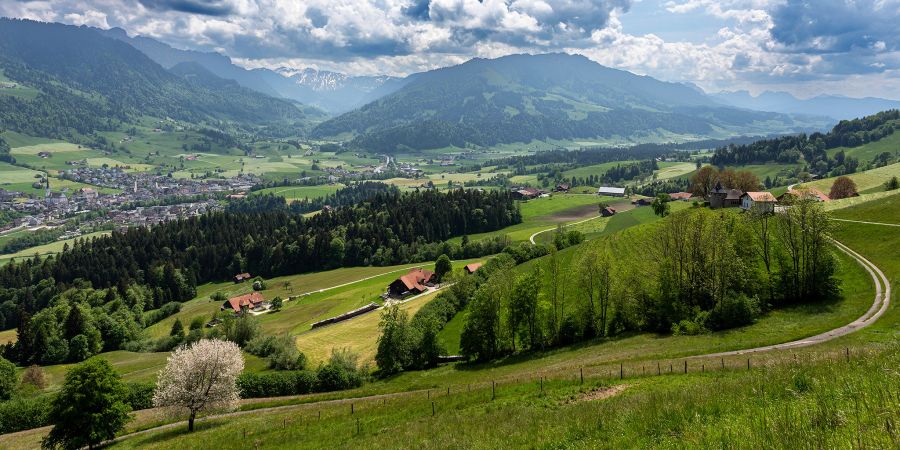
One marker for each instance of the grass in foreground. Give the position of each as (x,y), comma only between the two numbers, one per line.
(826,403)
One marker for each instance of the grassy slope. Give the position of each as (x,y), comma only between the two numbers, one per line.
(868,181)
(301,192)
(866,153)
(46,249)
(885,210)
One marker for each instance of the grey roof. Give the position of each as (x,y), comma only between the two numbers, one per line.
(610,190)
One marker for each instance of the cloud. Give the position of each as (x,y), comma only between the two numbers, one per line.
(837,26)
(204,7)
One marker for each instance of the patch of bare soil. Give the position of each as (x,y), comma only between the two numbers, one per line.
(599,393)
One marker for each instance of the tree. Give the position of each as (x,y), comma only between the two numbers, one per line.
(240,329)
(395,345)
(34,376)
(277,303)
(177,330)
(90,408)
(7,379)
(660,205)
(201,377)
(703,181)
(843,187)
(442,266)
(523,309)
(892,184)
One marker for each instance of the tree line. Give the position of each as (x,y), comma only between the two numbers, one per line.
(812,148)
(170,259)
(697,270)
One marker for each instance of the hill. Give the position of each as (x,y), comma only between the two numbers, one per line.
(87,82)
(521,98)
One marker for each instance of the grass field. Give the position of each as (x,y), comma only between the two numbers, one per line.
(868,181)
(47,249)
(541,213)
(885,209)
(359,334)
(866,153)
(291,193)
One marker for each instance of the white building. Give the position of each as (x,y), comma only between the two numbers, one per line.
(611,191)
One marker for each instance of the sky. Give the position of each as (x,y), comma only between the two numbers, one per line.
(807,48)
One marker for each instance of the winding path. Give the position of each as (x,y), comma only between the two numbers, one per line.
(531,239)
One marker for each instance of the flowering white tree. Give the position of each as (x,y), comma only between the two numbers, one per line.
(200,377)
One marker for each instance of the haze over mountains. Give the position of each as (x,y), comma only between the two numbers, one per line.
(513,99)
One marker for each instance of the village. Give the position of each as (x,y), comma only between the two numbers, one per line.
(123,199)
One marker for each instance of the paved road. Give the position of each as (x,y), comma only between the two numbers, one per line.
(867,223)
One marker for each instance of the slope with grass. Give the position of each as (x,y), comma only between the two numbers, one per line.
(866,182)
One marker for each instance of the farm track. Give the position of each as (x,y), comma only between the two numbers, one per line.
(878,308)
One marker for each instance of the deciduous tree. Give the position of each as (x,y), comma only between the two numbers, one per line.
(201,377)
(843,187)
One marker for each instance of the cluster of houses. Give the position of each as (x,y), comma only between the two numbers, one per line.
(418,281)
(762,201)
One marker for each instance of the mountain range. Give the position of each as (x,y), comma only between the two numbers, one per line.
(834,106)
(85,79)
(520,98)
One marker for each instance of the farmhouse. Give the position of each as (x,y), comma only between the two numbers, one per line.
(720,197)
(608,211)
(642,202)
(562,187)
(250,301)
(241,277)
(611,191)
(526,193)
(803,193)
(416,281)
(758,201)
(471,268)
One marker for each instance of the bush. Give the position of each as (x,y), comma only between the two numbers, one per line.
(140,395)
(24,413)
(7,379)
(151,317)
(276,384)
(34,376)
(733,311)
(341,372)
(281,352)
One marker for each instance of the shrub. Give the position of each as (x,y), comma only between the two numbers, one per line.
(140,395)
(341,372)
(24,413)
(7,379)
(151,317)
(275,384)
(733,311)
(34,376)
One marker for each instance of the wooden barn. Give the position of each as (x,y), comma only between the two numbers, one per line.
(415,282)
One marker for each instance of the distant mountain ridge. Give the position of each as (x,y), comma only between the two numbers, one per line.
(519,98)
(88,82)
(834,106)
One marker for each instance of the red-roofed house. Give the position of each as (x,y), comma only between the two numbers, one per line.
(803,193)
(608,211)
(758,201)
(414,282)
(249,301)
(471,268)
(683,196)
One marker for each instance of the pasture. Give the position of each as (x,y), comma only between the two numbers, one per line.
(867,181)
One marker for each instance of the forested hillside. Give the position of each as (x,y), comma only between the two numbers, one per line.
(87,82)
(811,149)
(520,98)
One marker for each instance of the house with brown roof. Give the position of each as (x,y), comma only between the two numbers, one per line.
(241,277)
(758,201)
(562,187)
(683,196)
(608,211)
(416,281)
(526,193)
(471,268)
(804,194)
(249,301)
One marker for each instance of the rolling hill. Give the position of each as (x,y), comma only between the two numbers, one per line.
(520,98)
(87,82)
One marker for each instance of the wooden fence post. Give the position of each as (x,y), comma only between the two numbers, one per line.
(351,408)
(847,349)
(542,383)
(621,371)
(723,363)
(432,409)
(748,363)
(658,369)
(685,366)
(493,389)
(581,369)
(357,425)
